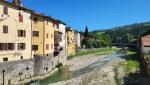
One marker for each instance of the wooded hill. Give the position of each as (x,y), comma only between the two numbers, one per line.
(125,34)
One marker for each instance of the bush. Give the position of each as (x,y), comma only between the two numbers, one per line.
(88,43)
(59,65)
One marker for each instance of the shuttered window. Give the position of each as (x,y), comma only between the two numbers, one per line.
(21,33)
(20,17)
(7,46)
(47,46)
(5,29)
(5,10)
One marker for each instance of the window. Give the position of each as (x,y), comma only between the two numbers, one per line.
(21,33)
(1,46)
(47,21)
(5,59)
(47,46)
(21,57)
(53,24)
(51,46)
(35,47)
(5,10)
(5,29)
(57,26)
(20,17)
(21,46)
(7,46)
(10,46)
(35,33)
(46,35)
(35,19)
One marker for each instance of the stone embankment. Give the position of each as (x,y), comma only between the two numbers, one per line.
(99,76)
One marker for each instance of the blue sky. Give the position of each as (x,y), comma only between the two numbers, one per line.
(96,14)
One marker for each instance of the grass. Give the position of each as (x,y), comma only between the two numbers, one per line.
(132,66)
(100,51)
(129,52)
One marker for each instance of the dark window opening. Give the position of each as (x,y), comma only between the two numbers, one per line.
(21,57)
(27,68)
(5,29)
(5,59)
(21,46)
(35,47)
(35,34)
(35,19)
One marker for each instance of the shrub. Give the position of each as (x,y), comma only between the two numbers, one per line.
(59,65)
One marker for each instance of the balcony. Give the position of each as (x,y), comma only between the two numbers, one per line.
(57,49)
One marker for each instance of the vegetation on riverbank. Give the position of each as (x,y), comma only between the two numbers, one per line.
(99,51)
(130,71)
(131,66)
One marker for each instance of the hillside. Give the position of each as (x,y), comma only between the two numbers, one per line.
(127,33)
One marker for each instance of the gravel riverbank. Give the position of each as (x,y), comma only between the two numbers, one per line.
(103,76)
(81,62)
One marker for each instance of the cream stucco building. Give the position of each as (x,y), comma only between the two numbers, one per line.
(77,39)
(15,32)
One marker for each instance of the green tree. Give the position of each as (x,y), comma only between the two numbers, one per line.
(86,32)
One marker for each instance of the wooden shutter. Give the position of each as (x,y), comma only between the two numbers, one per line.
(5,9)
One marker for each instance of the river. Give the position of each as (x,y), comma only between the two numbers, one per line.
(64,74)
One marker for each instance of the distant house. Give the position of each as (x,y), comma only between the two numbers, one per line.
(70,41)
(145,44)
(77,39)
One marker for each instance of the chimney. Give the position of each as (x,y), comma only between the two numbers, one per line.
(17,2)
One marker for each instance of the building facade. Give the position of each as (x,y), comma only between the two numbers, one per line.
(15,40)
(70,41)
(63,42)
(15,43)
(77,40)
(145,44)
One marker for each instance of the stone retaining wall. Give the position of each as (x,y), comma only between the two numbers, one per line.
(16,71)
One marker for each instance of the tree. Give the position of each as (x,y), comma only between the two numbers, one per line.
(86,32)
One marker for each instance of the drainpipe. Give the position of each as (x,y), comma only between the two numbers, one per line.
(31,35)
(43,35)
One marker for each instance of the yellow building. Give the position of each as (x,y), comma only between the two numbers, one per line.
(15,32)
(70,41)
(42,35)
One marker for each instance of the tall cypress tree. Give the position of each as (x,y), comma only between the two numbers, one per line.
(86,32)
